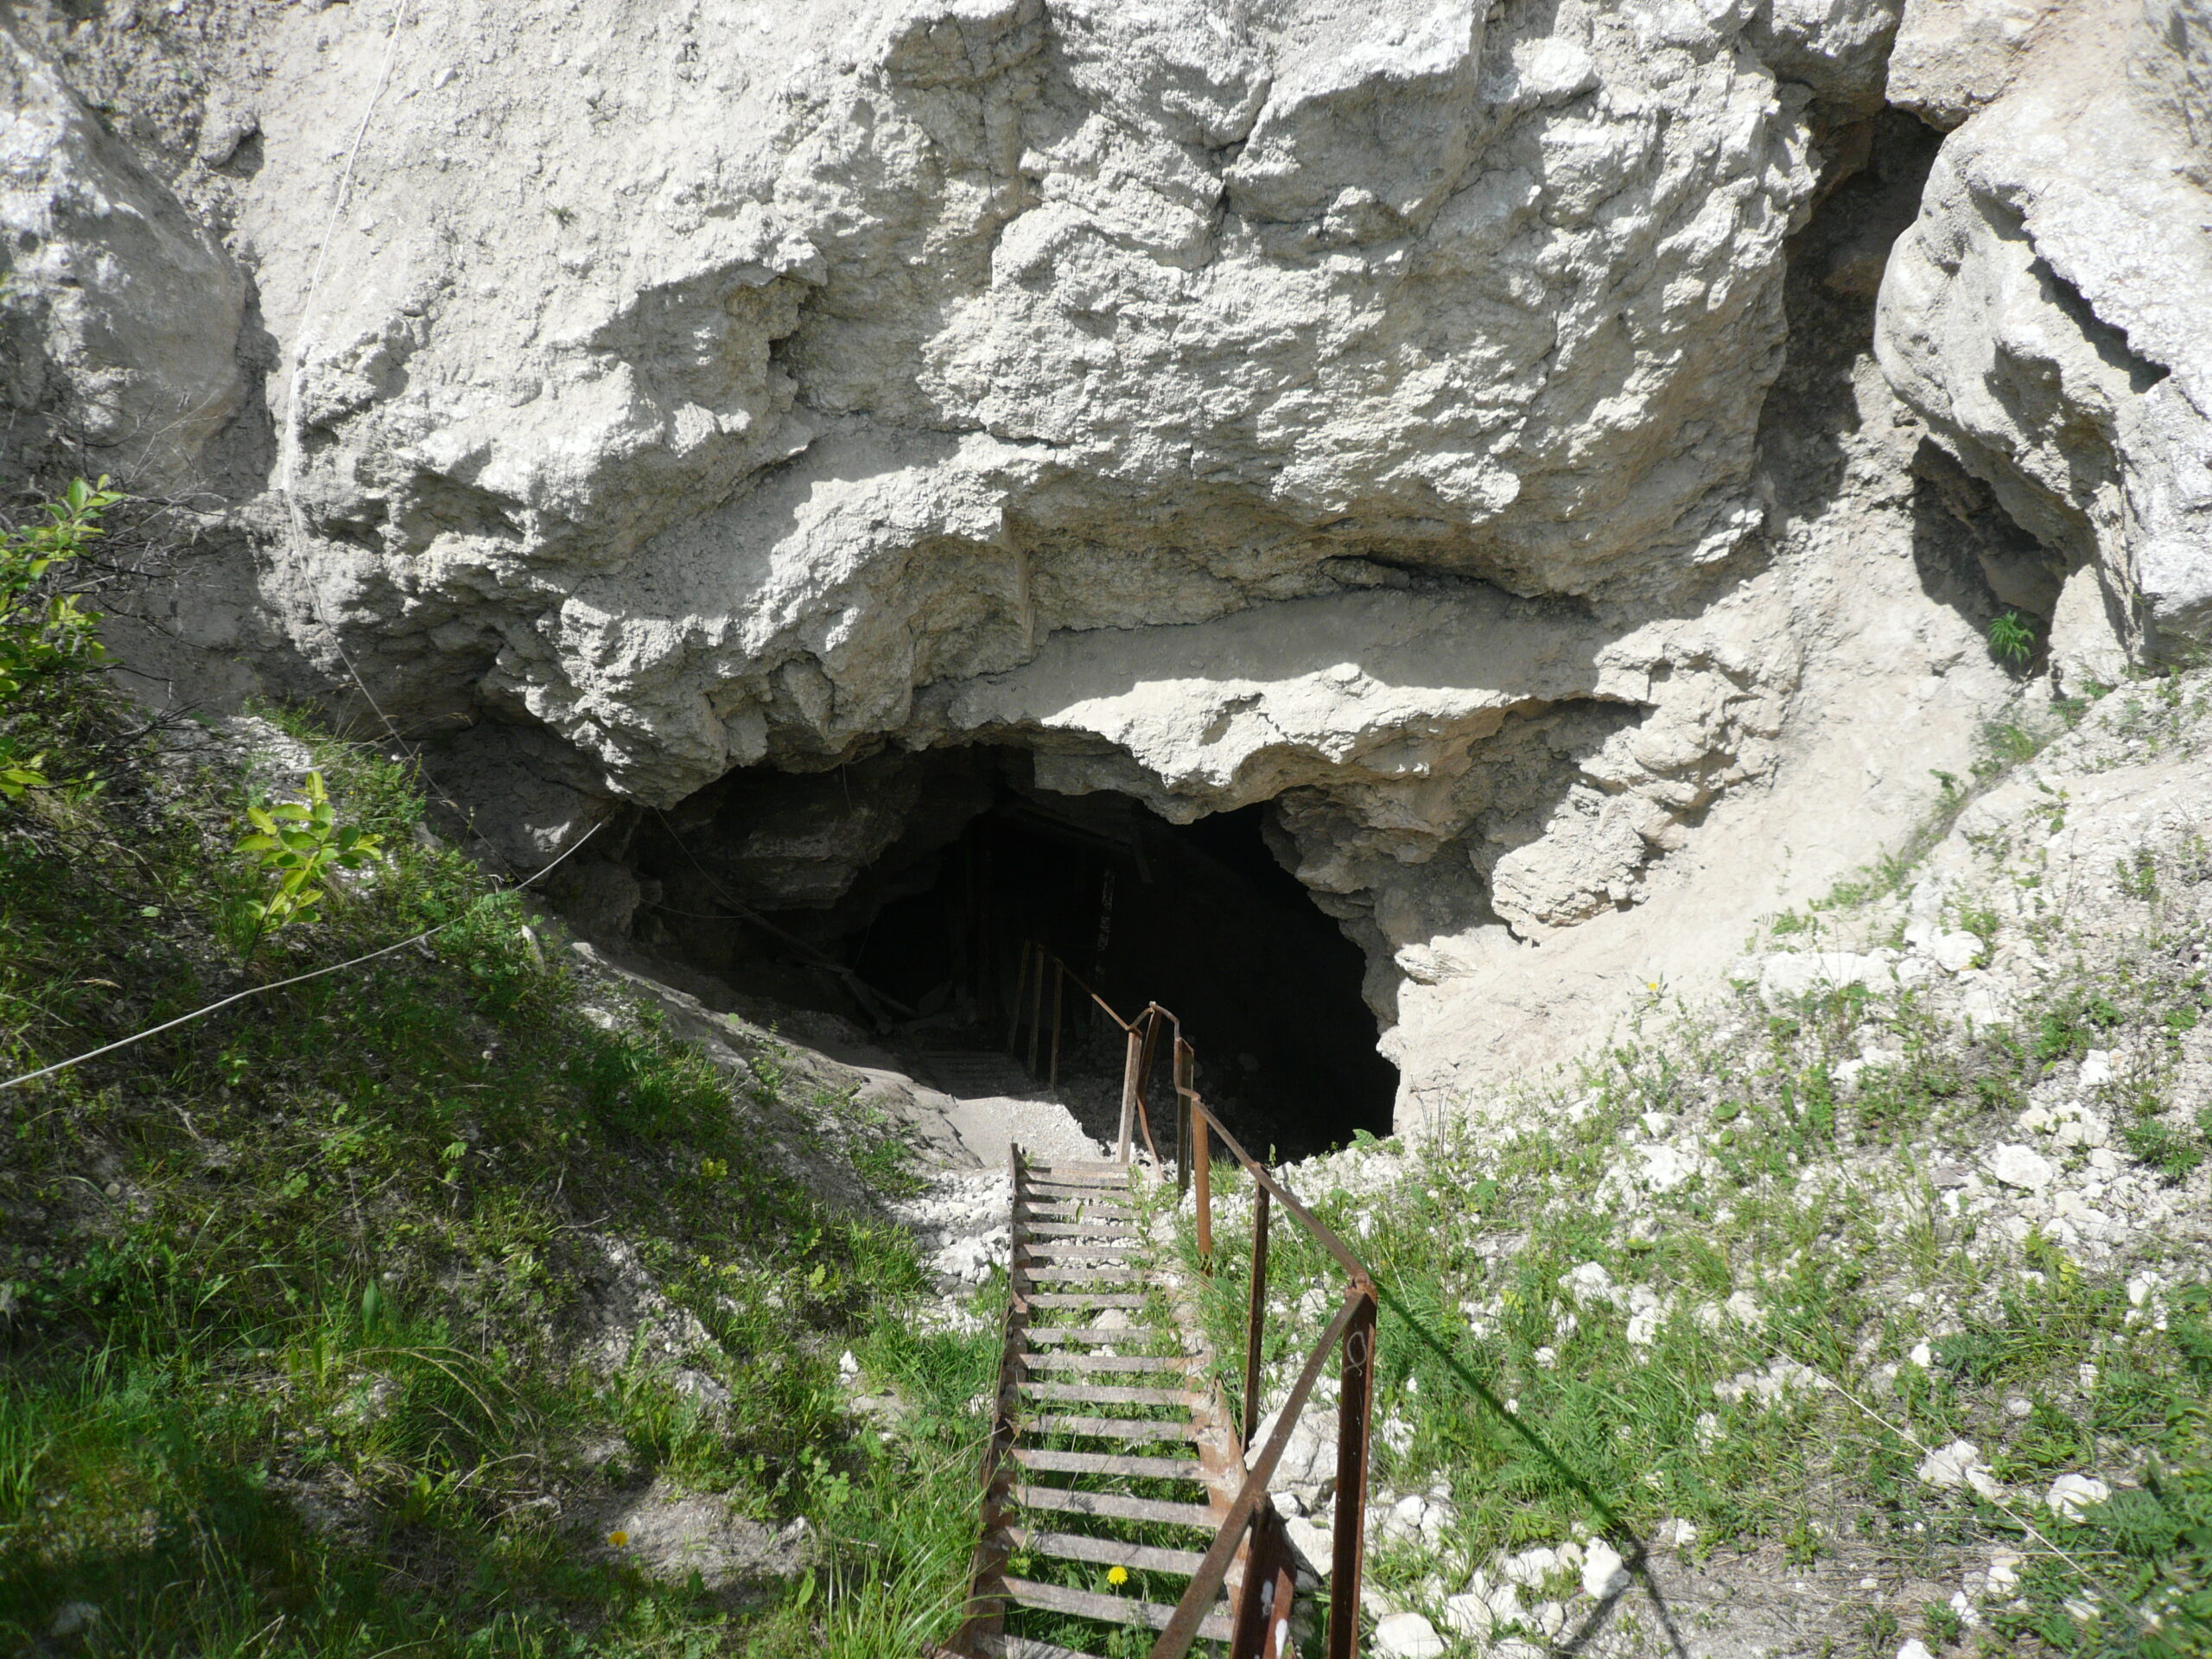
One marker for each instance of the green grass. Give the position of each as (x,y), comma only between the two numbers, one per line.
(304,1334)
(1818,1204)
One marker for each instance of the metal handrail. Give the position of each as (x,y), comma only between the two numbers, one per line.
(1261,1631)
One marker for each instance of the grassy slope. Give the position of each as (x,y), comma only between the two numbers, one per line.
(1820,1205)
(334,1253)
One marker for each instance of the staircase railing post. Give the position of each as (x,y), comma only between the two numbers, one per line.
(1202,1174)
(1183,1058)
(1262,1627)
(1130,1064)
(1355,1399)
(1151,1022)
(1256,1315)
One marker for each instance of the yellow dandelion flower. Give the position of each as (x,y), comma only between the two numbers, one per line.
(619,1538)
(1117,1576)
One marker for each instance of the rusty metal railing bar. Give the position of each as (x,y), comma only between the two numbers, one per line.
(1312,1223)
(1182,1627)
(1353,1326)
(1255,1311)
(982,1616)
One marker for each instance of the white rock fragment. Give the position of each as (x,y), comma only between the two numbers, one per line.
(1744,1311)
(1788,975)
(1315,1545)
(1408,1635)
(1469,1616)
(2071,1493)
(1531,1566)
(1604,1571)
(1781,1377)
(74,1619)
(1588,1283)
(1954,952)
(1665,1168)
(2022,1166)
(1958,1463)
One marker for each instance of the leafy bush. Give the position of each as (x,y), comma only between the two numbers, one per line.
(44,634)
(300,844)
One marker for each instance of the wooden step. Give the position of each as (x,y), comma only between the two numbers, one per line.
(1093,1229)
(1091,1394)
(1076,1209)
(1022,1647)
(1076,1299)
(1062,1197)
(1104,1229)
(1118,1174)
(1107,1552)
(1107,1463)
(1113,1429)
(1099,1362)
(1049,1333)
(1110,1610)
(1117,1506)
(1038,1248)
(1102,1275)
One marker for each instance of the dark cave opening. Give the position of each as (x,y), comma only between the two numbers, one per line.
(900,893)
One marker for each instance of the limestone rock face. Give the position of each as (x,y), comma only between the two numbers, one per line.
(1952,57)
(2047,317)
(120,317)
(1389,723)
(705,395)
(1382,411)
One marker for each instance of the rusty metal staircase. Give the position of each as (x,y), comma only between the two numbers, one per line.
(1108,1435)
(1113,1454)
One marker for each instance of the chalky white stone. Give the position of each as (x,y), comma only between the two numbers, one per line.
(2071,1493)
(2022,1166)
(1408,1635)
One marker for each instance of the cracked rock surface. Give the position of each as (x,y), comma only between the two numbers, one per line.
(1463,425)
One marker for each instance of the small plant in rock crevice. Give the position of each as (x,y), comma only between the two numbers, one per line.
(2012,640)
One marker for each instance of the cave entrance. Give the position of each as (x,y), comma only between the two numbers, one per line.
(968,861)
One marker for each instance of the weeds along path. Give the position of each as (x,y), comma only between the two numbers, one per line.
(453,1295)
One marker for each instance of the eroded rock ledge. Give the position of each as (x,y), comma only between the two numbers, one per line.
(1458,423)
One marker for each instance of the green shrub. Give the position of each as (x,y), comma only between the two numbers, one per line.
(45,635)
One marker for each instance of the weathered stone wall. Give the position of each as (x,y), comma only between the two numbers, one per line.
(2047,314)
(1454,422)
